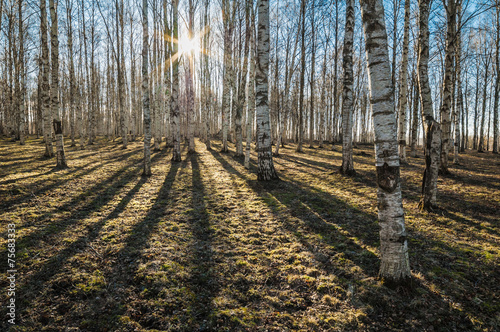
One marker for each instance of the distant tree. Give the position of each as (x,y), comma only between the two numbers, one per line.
(228,9)
(174,100)
(72,78)
(432,128)
(403,91)
(497,81)
(45,86)
(54,89)
(240,99)
(251,91)
(302,74)
(145,90)
(347,167)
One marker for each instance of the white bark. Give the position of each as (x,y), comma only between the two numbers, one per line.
(47,131)
(54,92)
(433,130)
(347,167)
(266,171)
(395,267)
(145,91)
(403,92)
(174,101)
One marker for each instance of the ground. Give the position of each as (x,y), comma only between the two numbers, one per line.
(201,245)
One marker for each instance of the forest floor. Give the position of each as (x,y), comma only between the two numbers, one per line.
(201,245)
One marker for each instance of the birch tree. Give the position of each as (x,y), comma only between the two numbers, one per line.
(394,267)
(174,101)
(347,167)
(45,86)
(145,91)
(189,81)
(497,81)
(266,171)
(240,100)
(54,88)
(458,110)
(21,75)
(302,74)
(403,91)
(432,128)
(228,20)
(72,78)
(251,92)
(445,110)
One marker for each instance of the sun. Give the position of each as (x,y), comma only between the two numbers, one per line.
(187,45)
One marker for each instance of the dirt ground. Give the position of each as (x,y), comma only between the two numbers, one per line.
(201,245)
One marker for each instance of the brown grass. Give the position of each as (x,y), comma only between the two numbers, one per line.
(203,246)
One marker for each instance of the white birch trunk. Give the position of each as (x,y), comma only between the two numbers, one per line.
(145,91)
(403,91)
(54,93)
(174,101)
(347,167)
(45,90)
(433,130)
(266,171)
(395,267)
(250,93)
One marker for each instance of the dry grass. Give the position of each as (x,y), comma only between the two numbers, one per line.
(203,246)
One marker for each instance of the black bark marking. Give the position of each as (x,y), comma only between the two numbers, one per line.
(388,177)
(57,127)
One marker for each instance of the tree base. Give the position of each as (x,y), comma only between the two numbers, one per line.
(404,284)
(61,166)
(429,207)
(348,172)
(444,172)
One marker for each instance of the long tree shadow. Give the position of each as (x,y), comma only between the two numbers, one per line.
(202,281)
(317,210)
(79,207)
(124,273)
(10,204)
(36,283)
(102,192)
(300,204)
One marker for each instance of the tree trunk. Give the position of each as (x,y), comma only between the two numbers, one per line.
(414,123)
(347,167)
(145,91)
(266,171)
(228,71)
(206,69)
(476,107)
(54,93)
(433,130)
(302,74)
(21,75)
(45,91)
(497,81)
(395,266)
(311,82)
(445,110)
(133,96)
(480,147)
(174,103)
(72,79)
(403,90)
(458,81)
(251,92)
